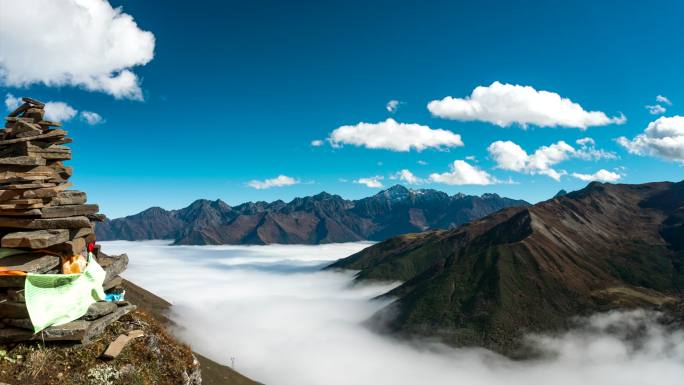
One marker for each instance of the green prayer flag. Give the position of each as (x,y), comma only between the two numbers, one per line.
(55,299)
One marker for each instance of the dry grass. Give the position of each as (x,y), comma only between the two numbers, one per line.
(157,359)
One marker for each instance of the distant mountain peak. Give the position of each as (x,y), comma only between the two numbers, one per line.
(321,218)
(396,189)
(490,196)
(323,195)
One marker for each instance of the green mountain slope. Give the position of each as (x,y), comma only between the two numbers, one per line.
(531,269)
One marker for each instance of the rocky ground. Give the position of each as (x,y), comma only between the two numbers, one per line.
(157,358)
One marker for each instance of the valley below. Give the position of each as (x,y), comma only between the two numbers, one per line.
(273,314)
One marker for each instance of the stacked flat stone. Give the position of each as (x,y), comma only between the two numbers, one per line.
(39,215)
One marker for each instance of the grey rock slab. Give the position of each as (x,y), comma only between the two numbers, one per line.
(69,211)
(31,263)
(22,161)
(99,309)
(39,239)
(39,224)
(114,265)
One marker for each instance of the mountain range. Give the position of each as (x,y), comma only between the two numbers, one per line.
(530,269)
(322,218)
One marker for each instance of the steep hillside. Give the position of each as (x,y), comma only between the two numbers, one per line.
(322,218)
(533,268)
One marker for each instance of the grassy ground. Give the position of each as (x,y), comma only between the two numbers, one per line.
(157,358)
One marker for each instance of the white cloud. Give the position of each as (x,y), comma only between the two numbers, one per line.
(395,136)
(601,175)
(393,105)
(83,43)
(372,182)
(656,109)
(507,104)
(422,163)
(510,156)
(588,150)
(317,143)
(663,137)
(59,111)
(586,141)
(663,99)
(54,111)
(463,173)
(92,118)
(288,323)
(407,176)
(279,181)
(12,102)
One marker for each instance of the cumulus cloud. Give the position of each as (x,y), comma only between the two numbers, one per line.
(288,323)
(12,102)
(317,143)
(601,175)
(393,105)
(59,111)
(506,104)
(422,162)
(663,99)
(92,118)
(54,111)
(463,173)
(82,43)
(510,156)
(372,182)
(655,109)
(279,181)
(663,138)
(407,176)
(394,136)
(588,151)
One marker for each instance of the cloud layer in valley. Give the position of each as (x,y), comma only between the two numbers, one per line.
(84,43)
(506,104)
(285,322)
(394,136)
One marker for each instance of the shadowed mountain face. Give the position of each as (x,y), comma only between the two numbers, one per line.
(322,218)
(531,269)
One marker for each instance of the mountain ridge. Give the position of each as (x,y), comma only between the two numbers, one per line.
(321,218)
(533,269)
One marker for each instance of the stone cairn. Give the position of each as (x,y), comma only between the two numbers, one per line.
(39,215)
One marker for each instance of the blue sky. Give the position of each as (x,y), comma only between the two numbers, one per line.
(236,91)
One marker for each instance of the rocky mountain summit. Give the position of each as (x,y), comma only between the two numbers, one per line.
(532,269)
(322,218)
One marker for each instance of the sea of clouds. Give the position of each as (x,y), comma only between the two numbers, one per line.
(272,312)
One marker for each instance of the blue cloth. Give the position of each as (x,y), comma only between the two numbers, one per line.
(113,297)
